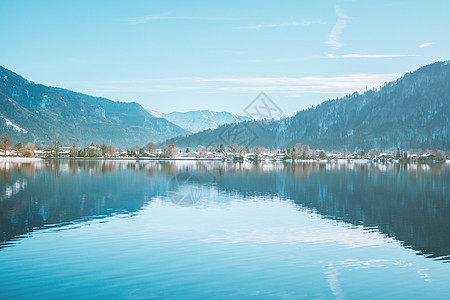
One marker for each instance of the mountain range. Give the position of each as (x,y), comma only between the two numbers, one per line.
(40,114)
(411,112)
(199,120)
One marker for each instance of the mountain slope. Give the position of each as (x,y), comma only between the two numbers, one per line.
(47,114)
(199,120)
(410,112)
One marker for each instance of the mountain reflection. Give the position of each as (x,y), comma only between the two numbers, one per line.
(408,202)
(38,195)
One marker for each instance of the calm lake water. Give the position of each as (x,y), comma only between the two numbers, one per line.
(181,230)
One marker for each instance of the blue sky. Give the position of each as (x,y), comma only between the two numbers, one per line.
(218,55)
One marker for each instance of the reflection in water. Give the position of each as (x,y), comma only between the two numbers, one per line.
(38,195)
(408,202)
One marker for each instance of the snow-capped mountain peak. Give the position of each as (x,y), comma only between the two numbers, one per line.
(155,113)
(199,120)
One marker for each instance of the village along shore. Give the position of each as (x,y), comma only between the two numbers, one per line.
(233,153)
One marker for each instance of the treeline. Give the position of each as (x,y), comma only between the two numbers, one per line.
(58,149)
(24,150)
(298,152)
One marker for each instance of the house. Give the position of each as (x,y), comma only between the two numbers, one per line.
(123,154)
(384,156)
(428,157)
(230,156)
(354,156)
(43,153)
(64,151)
(148,154)
(280,156)
(333,155)
(219,155)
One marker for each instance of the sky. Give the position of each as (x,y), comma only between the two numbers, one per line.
(219,55)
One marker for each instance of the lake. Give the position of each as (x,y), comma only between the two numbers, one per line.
(187,230)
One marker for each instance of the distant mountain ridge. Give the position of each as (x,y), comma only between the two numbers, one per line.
(199,120)
(410,112)
(46,114)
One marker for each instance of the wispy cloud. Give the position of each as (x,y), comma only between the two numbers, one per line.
(354,55)
(343,84)
(233,52)
(334,38)
(425,45)
(282,24)
(308,84)
(169,16)
(287,59)
(146,19)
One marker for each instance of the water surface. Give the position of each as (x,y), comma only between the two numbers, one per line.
(124,229)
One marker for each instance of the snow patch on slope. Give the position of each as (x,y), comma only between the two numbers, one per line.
(45,101)
(15,127)
(155,113)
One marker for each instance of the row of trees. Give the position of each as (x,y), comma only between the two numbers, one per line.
(299,151)
(92,150)
(25,150)
(167,151)
(303,151)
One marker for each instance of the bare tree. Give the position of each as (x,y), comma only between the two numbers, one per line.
(173,150)
(374,152)
(137,149)
(238,149)
(150,148)
(104,148)
(73,151)
(5,142)
(439,154)
(56,145)
(321,154)
(169,150)
(110,151)
(201,151)
(28,150)
(302,150)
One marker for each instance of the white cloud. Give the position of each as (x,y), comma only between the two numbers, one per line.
(168,16)
(307,84)
(425,45)
(289,86)
(334,38)
(282,24)
(286,59)
(353,55)
(233,52)
(146,19)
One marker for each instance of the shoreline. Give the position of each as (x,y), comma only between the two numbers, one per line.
(338,160)
(23,159)
(134,158)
